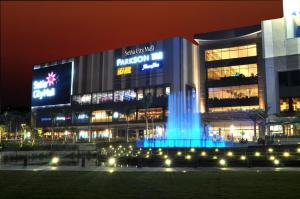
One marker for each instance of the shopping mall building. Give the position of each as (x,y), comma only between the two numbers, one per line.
(246,82)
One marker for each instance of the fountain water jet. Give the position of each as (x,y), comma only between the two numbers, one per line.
(184,127)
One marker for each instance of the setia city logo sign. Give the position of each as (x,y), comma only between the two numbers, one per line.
(145,58)
(45,88)
(139,50)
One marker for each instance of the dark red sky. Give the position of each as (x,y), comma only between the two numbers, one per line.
(37,32)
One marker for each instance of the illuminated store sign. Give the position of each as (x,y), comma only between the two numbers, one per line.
(83,116)
(44,88)
(150,66)
(46,119)
(52,85)
(155,56)
(124,70)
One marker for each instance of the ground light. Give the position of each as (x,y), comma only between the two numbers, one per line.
(229,153)
(270,150)
(179,153)
(286,154)
(257,154)
(214,157)
(192,150)
(276,162)
(111,161)
(54,161)
(298,150)
(222,162)
(243,157)
(188,157)
(272,157)
(168,162)
(203,153)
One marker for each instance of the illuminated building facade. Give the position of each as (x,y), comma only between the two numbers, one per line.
(281,51)
(232,83)
(113,94)
(246,84)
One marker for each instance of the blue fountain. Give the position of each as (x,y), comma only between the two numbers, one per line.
(184,128)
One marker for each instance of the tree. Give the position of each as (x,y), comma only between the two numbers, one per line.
(147,102)
(127,110)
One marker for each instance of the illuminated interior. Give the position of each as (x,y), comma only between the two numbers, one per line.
(153,113)
(248,70)
(231,53)
(284,105)
(233,131)
(296,104)
(101,116)
(233,92)
(232,108)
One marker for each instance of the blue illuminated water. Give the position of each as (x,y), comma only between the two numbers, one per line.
(184,128)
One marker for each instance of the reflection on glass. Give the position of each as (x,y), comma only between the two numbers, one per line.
(233,92)
(231,53)
(219,73)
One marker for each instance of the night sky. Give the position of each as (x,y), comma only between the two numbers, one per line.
(38,32)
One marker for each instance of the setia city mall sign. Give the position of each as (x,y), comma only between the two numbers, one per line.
(145,58)
(44,88)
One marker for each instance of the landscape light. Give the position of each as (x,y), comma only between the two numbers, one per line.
(160,153)
(168,162)
(257,154)
(298,150)
(192,150)
(229,153)
(270,150)
(216,150)
(222,162)
(276,162)
(165,156)
(188,157)
(243,157)
(272,157)
(203,153)
(179,153)
(286,154)
(215,157)
(111,161)
(54,160)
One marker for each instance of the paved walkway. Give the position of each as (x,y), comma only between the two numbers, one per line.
(145,169)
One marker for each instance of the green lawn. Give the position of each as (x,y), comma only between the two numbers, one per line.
(131,185)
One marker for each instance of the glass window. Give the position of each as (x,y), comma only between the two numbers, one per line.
(296,104)
(231,53)
(233,108)
(233,92)
(101,116)
(168,90)
(129,95)
(82,99)
(284,105)
(149,91)
(140,94)
(153,113)
(232,72)
(159,92)
(118,96)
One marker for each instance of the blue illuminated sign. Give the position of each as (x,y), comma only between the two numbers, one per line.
(154,56)
(52,85)
(150,66)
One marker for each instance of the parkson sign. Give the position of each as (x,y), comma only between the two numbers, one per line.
(154,56)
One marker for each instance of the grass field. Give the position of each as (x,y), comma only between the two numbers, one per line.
(131,185)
